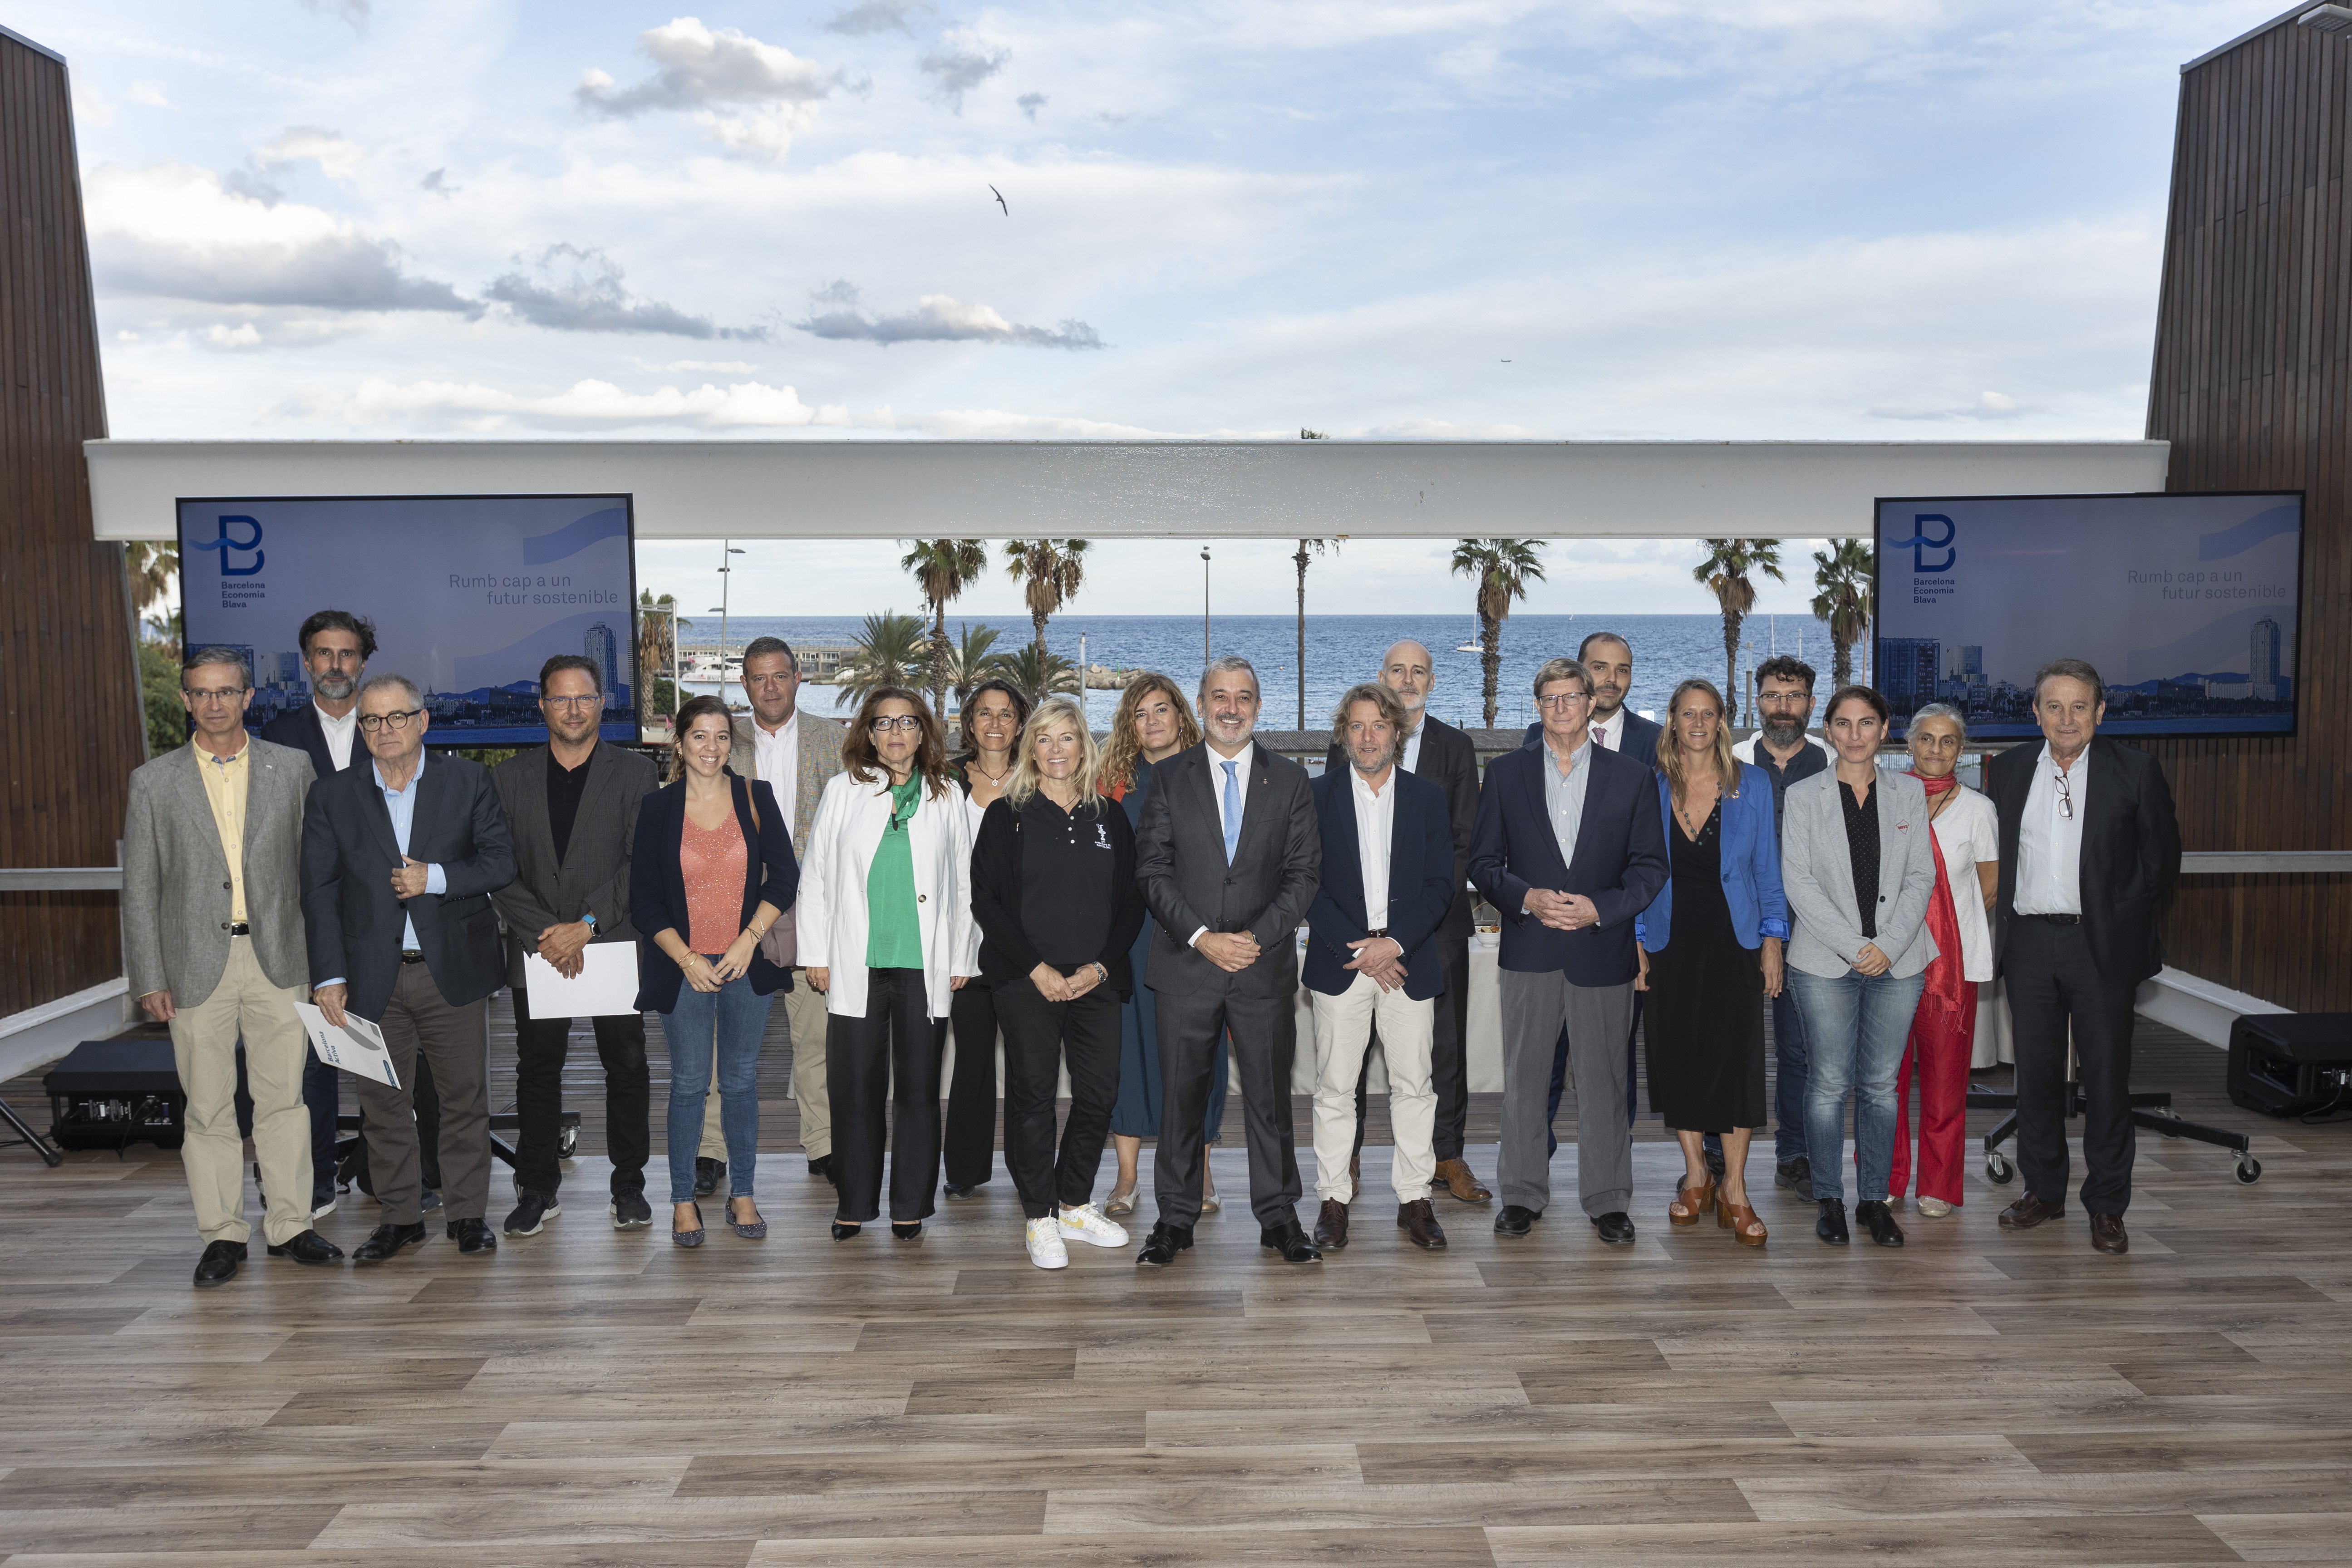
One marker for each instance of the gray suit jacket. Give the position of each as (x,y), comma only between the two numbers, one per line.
(1817,874)
(594,876)
(820,748)
(1180,860)
(176,891)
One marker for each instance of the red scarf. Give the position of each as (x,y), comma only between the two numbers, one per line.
(1945,975)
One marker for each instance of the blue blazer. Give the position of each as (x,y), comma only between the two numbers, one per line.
(1751,866)
(658,885)
(1421,882)
(1621,863)
(1640,738)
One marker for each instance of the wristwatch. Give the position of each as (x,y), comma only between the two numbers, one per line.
(589,920)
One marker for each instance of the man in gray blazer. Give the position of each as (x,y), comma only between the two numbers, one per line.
(212,941)
(794,754)
(1229,857)
(572,806)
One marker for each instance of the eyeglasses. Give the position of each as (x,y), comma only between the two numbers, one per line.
(220,694)
(1563,699)
(594,700)
(907,721)
(2065,797)
(396,719)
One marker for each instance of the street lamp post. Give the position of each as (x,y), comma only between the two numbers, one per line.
(1204,606)
(726,582)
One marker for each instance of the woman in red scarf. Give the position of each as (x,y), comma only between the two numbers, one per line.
(1968,855)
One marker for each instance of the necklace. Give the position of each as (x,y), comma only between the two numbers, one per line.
(995,780)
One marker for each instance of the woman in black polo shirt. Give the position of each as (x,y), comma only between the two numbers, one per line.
(1054,892)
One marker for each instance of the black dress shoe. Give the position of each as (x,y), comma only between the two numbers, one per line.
(1289,1239)
(1616,1227)
(821,1167)
(707,1174)
(1419,1222)
(1831,1227)
(1161,1248)
(309,1246)
(844,1232)
(473,1236)
(1515,1221)
(219,1264)
(959,1192)
(1796,1175)
(386,1241)
(1881,1221)
(906,1229)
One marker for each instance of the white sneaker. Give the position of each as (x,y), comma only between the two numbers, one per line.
(1085,1223)
(1046,1248)
(1933,1208)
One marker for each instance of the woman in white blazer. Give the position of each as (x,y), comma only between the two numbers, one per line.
(885,932)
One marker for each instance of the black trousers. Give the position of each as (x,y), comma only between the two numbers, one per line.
(2052,980)
(1265,1037)
(540,1046)
(1039,1036)
(968,1151)
(1449,1054)
(890,1055)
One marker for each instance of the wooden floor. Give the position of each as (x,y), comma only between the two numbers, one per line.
(588,1397)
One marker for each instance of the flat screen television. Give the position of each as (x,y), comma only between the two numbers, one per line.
(470,595)
(2186,604)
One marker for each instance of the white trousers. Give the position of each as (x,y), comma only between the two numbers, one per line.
(1343,1028)
(203,1048)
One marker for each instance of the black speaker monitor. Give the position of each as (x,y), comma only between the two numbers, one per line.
(2285,1064)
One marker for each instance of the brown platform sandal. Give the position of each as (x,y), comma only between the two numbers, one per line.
(1741,1221)
(1691,1202)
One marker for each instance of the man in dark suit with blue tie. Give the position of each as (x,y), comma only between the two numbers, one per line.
(1569,848)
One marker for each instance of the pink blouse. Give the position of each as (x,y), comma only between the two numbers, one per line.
(715,862)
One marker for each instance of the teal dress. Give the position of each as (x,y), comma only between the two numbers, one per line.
(1136,1113)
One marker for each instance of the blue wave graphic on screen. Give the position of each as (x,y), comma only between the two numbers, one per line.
(574,537)
(2237,540)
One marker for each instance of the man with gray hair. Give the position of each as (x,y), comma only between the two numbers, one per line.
(1228,857)
(399,861)
(212,937)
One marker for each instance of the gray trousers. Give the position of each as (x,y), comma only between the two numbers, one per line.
(1536,1008)
(456,1042)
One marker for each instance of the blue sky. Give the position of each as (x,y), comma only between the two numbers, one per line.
(1792,218)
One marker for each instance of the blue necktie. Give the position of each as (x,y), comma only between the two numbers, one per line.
(1233,810)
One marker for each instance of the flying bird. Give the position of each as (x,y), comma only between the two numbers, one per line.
(1000,200)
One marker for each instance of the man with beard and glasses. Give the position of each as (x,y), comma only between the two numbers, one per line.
(1786,753)
(336,646)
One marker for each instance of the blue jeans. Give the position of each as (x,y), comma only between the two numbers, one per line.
(1856,1025)
(1788,1087)
(727,1023)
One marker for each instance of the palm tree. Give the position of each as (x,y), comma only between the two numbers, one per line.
(1318,546)
(153,563)
(657,625)
(943,568)
(892,650)
(1053,568)
(970,662)
(1502,568)
(1845,600)
(1039,674)
(1725,572)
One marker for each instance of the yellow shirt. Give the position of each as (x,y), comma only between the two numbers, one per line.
(225,780)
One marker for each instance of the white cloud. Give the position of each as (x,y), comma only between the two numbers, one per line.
(150,93)
(706,366)
(245,335)
(173,231)
(968,424)
(1987,405)
(835,312)
(1029,104)
(772,94)
(585,405)
(578,290)
(959,61)
(335,155)
(355,12)
(880,16)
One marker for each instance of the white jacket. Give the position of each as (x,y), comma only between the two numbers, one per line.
(850,818)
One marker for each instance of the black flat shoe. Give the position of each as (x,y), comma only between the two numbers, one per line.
(707,1174)
(844,1232)
(1881,1221)
(309,1247)
(473,1236)
(1515,1220)
(688,1238)
(1796,1176)
(906,1229)
(961,1194)
(388,1241)
(218,1266)
(1290,1240)
(1161,1248)
(1616,1228)
(1831,1227)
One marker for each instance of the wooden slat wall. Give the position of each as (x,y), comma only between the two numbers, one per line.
(70,729)
(2252,345)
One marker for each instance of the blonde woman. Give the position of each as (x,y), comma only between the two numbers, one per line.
(1710,949)
(1153,723)
(1054,891)
(886,933)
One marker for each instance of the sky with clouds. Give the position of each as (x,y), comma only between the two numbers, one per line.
(1814,219)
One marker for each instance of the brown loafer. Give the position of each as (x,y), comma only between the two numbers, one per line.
(1455,1178)
(2028,1212)
(2108,1234)
(1331,1226)
(1419,1222)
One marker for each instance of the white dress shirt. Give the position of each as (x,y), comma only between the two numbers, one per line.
(339,733)
(1409,759)
(1375,830)
(1609,733)
(778,758)
(1241,762)
(2049,842)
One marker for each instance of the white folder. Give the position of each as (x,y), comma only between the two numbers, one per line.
(356,1047)
(606,984)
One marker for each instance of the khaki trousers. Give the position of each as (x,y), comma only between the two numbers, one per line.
(203,1049)
(1343,1028)
(804,1025)
(455,1041)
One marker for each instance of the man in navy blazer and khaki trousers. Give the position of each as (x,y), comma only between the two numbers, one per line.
(1372,954)
(1570,849)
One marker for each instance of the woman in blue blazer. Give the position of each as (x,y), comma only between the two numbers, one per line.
(1707,965)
